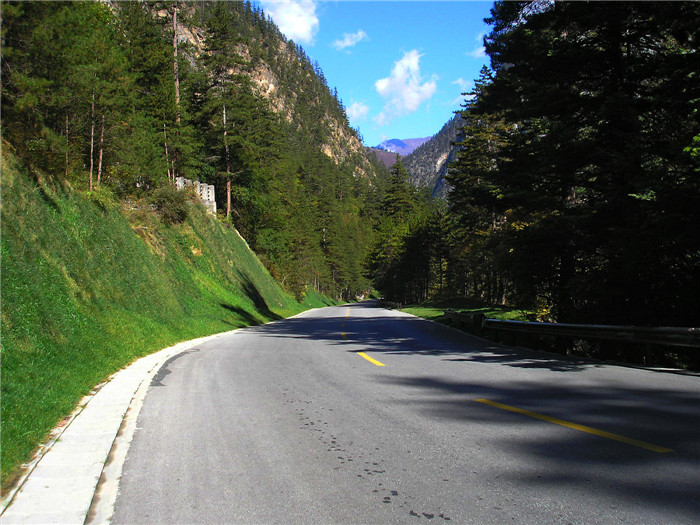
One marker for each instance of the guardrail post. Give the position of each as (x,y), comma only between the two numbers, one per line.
(479,320)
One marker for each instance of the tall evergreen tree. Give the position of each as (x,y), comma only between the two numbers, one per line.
(580,91)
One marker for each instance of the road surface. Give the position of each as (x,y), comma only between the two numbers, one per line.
(356,414)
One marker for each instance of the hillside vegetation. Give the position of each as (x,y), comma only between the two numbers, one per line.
(137,94)
(427,165)
(575,188)
(89,285)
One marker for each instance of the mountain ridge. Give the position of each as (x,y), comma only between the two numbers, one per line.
(402,146)
(427,165)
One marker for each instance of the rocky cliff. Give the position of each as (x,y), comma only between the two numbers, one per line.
(428,163)
(281,73)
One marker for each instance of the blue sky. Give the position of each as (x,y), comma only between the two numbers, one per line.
(400,66)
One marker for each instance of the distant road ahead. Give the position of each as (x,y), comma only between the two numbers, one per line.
(298,422)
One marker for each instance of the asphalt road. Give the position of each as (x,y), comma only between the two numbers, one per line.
(292,422)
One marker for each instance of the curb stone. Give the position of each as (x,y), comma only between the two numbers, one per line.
(74,477)
(61,481)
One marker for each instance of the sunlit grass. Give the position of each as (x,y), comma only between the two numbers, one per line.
(88,288)
(435,311)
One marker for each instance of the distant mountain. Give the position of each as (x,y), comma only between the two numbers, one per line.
(402,146)
(387,158)
(428,163)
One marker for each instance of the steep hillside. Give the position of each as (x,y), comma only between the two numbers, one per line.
(137,94)
(428,164)
(90,284)
(280,72)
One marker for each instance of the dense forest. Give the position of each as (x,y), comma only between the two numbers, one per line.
(576,191)
(572,183)
(119,99)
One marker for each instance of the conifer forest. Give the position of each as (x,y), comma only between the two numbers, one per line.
(575,192)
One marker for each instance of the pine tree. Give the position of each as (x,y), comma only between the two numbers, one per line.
(585,96)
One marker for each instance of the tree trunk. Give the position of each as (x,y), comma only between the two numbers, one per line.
(228,168)
(66,145)
(92,136)
(175,68)
(176,73)
(167,158)
(228,198)
(228,161)
(102,144)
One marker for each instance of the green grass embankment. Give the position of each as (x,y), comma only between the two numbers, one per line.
(88,286)
(435,310)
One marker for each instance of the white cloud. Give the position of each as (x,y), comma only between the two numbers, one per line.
(464,87)
(350,40)
(461,100)
(477,52)
(463,84)
(358,111)
(403,90)
(296,18)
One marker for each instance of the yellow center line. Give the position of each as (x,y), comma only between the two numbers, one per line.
(575,426)
(371,360)
(361,354)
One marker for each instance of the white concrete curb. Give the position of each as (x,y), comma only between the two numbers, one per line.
(74,478)
(61,483)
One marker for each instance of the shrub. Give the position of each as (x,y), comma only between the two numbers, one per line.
(172,205)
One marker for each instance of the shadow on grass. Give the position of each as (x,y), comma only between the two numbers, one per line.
(259,303)
(258,300)
(245,316)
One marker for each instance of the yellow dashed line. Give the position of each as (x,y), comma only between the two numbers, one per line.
(371,360)
(576,426)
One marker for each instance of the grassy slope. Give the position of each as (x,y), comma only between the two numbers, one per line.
(87,288)
(435,310)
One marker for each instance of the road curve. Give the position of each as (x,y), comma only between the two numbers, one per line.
(297,421)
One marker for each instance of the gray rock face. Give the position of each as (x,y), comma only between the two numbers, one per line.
(428,163)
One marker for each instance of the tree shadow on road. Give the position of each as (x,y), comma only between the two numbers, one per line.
(408,335)
(665,416)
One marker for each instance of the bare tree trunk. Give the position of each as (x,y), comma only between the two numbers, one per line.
(66,144)
(102,144)
(228,198)
(167,158)
(228,160)
(228,168)
(175,68)
(92,136)
(177,94)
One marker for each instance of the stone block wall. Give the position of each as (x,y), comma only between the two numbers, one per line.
(205,192)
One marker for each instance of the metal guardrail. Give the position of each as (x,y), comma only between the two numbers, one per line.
(474,321)
(669,336)
(390,305)
(666,336)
